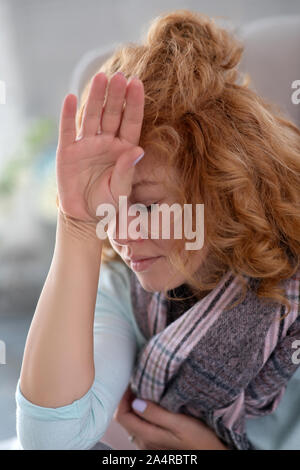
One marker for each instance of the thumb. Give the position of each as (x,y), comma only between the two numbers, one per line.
(122,175)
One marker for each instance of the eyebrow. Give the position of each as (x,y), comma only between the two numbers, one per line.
(149,182)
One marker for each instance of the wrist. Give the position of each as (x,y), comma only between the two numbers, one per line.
(78,229)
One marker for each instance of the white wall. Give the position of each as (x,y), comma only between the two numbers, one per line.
(51,36)
(11,112)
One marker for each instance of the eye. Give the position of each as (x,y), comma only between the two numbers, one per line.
(149,208)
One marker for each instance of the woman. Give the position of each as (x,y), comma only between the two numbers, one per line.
(188,133)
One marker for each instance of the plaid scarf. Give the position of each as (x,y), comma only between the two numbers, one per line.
(218,366)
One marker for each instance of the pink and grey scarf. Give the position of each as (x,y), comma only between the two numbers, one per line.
(218,366)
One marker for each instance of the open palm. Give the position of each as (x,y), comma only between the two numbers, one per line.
(92,167)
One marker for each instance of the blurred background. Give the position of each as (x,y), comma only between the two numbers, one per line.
(46,47)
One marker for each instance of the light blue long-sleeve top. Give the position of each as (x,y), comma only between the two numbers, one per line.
(117,339)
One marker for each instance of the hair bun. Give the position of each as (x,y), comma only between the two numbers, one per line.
(197,39)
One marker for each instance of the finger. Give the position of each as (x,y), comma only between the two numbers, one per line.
(122,175)
(158,415)
(94,106)
(133,114)
(67,127)
(145,431)
(111,116)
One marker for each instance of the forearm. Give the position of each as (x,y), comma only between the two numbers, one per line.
(58,363)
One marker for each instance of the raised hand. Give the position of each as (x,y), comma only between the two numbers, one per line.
(93,167)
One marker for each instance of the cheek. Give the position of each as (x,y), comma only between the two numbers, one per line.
(165,228)
(164,245)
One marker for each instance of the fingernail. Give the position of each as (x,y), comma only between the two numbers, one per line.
(138,159)
(120,73)
(139,405)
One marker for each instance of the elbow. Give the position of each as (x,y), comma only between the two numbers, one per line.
(45,435)
(60,434)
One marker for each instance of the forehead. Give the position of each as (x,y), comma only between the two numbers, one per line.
(151,169)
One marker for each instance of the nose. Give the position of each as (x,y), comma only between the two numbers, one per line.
(120,239)
(126,242)
(123,232)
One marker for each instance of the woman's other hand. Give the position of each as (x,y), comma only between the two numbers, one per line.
(92,167)
(158,429)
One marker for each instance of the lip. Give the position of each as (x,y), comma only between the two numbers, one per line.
(142,264)
(139,258)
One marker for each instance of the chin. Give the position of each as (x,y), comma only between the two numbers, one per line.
(148,284)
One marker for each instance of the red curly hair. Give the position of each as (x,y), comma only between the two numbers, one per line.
(235,152)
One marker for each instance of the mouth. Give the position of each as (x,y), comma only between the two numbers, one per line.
(142,264)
